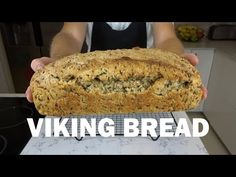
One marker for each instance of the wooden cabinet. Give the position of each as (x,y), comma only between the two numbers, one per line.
(205,56)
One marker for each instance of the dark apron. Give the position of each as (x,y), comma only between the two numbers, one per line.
(105,38)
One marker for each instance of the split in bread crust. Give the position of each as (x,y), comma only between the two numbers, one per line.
(116,81)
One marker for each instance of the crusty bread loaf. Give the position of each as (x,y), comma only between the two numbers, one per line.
(116,81)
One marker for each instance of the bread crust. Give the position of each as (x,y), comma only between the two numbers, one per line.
(116,81)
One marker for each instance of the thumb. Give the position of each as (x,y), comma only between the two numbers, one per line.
(28,95)
(39,63)
(192,58)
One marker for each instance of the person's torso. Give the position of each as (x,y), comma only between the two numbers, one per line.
(114,35)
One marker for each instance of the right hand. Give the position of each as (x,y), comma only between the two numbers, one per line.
(193,59)
(37,64)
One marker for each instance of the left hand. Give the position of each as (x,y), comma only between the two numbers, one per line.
(193,59)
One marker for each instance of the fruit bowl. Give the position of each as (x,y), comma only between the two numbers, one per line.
(189,33)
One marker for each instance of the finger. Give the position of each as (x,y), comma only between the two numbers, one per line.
(205,91)
(39,63)
(28,94)
(193,59)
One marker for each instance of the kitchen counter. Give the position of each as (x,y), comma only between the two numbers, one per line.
(227,47)
(205,43)
(115,145)
(12,95)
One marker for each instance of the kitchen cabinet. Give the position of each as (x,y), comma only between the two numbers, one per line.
(220,106)
(19,58)
(49,30)
(205,56)
(6,85)
(23,42)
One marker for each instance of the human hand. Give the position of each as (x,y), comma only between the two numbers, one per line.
(193,59)
(37,64)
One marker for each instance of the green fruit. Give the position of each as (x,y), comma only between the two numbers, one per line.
(186,38)
(193,39)
(187,35)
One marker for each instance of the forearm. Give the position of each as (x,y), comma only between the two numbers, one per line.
(64,44)
(171,44)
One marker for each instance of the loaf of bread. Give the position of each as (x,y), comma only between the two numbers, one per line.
(116,81)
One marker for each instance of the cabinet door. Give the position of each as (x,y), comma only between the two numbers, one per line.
(204,67)
(6,85)
(220,106)
(49,30)
(205,62)
(19,58)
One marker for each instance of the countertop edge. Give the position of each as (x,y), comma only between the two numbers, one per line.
(12,95)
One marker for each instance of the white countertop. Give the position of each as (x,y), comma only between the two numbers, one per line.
(227,47)
(115,145)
